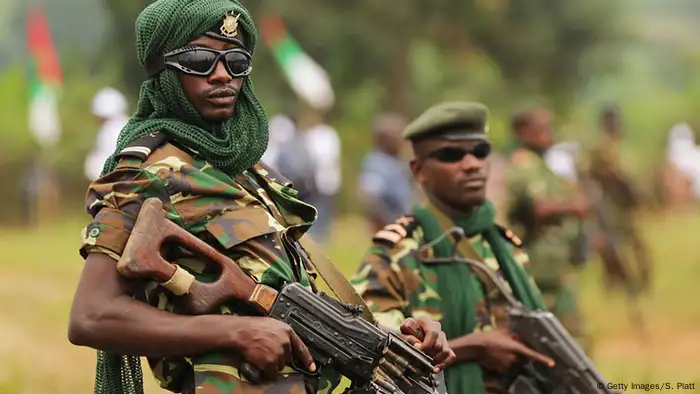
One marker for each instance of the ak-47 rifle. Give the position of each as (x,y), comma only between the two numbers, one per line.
(573,372)
(375,361)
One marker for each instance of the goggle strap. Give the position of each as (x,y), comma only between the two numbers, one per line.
(154,66)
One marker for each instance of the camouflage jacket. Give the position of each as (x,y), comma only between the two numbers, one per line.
(255,219)
(396,285)
(604,166)
(550,245)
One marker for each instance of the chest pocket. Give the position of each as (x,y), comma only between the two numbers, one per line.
(240,225)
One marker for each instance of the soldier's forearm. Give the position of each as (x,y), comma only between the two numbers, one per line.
(552,210)
(467,348)
(128,326)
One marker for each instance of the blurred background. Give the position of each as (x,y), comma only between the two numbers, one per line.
(69,78)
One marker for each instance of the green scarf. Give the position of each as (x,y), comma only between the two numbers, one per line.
(233,145)
(459,301)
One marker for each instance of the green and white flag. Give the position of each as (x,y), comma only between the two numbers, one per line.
(306,77)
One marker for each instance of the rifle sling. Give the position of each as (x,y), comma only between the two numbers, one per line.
(464,247)
(335,279)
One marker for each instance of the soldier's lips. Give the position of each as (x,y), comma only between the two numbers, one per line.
(224,100)
(474,183)
(222,96)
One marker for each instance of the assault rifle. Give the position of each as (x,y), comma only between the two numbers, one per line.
(573,372)
(375,361)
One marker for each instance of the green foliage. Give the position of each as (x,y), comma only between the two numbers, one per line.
(404,56)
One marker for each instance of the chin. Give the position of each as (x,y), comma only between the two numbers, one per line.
(474,200)
(218,115)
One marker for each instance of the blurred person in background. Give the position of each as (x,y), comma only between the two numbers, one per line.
(110,107)
(546,211)
(385,184)
(294,158)
(564,160)
(681,174)
(324,146)
(451,151)
(282,131)
(618,237)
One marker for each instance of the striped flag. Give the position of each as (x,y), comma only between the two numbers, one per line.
(308,79)
(45,80)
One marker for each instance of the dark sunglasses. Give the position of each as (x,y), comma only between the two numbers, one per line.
(202,61)
(454,154)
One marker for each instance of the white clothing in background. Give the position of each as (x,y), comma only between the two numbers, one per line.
(111,106)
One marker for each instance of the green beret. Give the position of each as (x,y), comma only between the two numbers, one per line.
(456,121)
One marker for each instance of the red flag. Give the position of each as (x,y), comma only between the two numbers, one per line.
(41,48)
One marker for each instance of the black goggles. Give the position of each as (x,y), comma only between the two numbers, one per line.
(202,61)
(454,154)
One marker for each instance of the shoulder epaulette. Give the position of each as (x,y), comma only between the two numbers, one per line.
(142,147)
(512,238)
(272,174)
(395,232)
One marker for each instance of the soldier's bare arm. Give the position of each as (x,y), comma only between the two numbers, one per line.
(496,350)
(105,316)
(546,210)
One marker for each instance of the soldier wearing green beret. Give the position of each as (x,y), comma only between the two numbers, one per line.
(451,150)
(546,211)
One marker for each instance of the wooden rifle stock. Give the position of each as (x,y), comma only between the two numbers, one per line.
(142,259)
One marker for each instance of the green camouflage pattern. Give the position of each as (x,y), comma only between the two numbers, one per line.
(396,286)
(604,166)
(550,246)
(254,219)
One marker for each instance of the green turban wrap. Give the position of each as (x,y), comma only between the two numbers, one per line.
(232,145)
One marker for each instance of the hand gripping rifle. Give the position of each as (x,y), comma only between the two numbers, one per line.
(374,360)
(573,372)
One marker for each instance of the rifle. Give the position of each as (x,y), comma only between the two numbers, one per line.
(375,361)
(573,372)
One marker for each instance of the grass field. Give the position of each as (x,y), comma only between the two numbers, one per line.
(40,270)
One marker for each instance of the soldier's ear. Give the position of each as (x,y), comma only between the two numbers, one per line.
(416,166)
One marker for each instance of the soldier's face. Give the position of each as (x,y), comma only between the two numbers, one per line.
(538,134)
(213,96)
(457,182)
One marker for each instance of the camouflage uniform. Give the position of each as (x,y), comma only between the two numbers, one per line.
(617,200)
(254,218)
(605,167)
(397,286)
(550,246)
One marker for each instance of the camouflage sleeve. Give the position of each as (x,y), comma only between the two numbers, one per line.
(114,202)
(386,279)
(524,181)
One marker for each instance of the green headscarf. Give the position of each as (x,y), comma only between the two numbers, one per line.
(232,145)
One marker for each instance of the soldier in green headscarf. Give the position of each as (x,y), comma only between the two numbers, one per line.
(451,149)
(545,210)
(195,144)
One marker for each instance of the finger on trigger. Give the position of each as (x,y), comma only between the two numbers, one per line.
(303,352)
